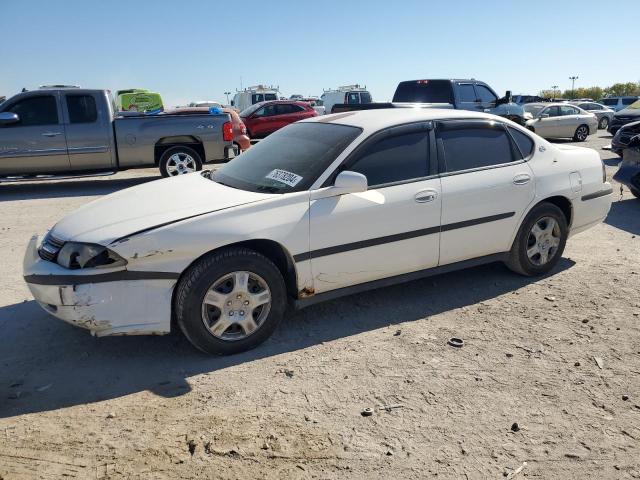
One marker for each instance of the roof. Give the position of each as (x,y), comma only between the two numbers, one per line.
(388,117)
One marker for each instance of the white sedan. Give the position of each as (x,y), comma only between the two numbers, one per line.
(323,208)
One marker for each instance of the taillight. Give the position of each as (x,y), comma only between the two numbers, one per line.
(227,131)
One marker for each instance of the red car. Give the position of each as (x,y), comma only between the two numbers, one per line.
(264,118)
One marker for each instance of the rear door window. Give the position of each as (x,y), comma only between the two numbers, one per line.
(82,109)
(567,110)
(610,102)
(467,93)
(469,145)
(34,111)
(394,159)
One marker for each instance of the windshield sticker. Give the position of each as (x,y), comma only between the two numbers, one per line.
(285,177)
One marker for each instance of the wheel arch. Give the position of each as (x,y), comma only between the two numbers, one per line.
(165,143)
(271,249)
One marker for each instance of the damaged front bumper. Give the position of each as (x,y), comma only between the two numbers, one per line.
(112,307)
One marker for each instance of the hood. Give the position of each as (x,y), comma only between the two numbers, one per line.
(628,112)
(149,205)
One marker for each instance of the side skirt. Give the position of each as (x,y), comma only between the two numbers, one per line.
(406,277)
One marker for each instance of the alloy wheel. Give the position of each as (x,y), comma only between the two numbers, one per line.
(582,133)
(180,163)
(543,241)
(236,305)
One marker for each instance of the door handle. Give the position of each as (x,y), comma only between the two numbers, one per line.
(521,179)
(51,134)
(425,196)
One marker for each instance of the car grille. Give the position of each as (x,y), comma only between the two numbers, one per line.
(50,248)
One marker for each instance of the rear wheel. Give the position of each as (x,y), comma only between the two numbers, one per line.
(230,301)
(603,124)
(540,241)
(582,132)
(179,161)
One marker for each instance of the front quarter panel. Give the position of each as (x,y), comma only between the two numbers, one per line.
(283,219)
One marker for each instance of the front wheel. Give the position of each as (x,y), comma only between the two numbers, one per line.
(582,132)
(540,241)
(603,124)
(179,161)
(230,301)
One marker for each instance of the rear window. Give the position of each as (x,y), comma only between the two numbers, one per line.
(289,160)
(270,96)
(424,91)
(524,142)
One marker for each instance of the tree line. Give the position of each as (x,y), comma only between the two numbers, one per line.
(615,90)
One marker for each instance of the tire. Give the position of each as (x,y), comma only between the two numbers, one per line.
(582,132)
(196,296)
(179,160)
(603,124)
(519,260)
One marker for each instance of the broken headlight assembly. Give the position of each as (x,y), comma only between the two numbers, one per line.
(88,255)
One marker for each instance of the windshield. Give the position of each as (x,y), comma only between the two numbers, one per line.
(424,91)
(365,97)
(289,160)
(609,101)
(532,109)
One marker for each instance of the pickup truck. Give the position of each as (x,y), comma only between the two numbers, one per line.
(76,132)
(460,94)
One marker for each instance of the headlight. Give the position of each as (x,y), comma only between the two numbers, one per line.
(87,255)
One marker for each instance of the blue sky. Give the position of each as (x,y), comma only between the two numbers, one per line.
(197,49)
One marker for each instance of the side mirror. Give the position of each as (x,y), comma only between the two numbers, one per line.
(346,182)
(7,118)
(543,115)
(508,96)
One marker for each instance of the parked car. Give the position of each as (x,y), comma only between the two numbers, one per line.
(625,116)
(628,173)
(325,207)
(75,131)
(265,118)
(240,137)
(561,120)
(347,94)
(618,103)
(604,114)
(623,136)
(252,95)
(458,94)
(522,99)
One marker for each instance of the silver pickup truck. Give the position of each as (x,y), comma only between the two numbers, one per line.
(73,131)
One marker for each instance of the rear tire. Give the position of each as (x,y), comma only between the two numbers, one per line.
(178,161)
(215,281)
(540,241)
(603,124)
(582,132)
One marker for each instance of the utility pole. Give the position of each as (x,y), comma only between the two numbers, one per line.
(554,88)
(227,94)
(573,84)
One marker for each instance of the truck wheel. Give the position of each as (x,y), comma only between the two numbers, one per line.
(540,241)
(178,161)
(604,123)
(230,301)
(582,132)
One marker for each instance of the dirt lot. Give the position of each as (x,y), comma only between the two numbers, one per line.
(145,408)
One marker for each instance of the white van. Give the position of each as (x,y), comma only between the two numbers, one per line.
(351,94)
(252,95)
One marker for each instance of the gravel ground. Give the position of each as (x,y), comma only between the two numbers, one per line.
(526,387)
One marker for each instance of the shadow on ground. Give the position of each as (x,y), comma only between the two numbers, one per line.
(625,215)
(72,188)
(47,364)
